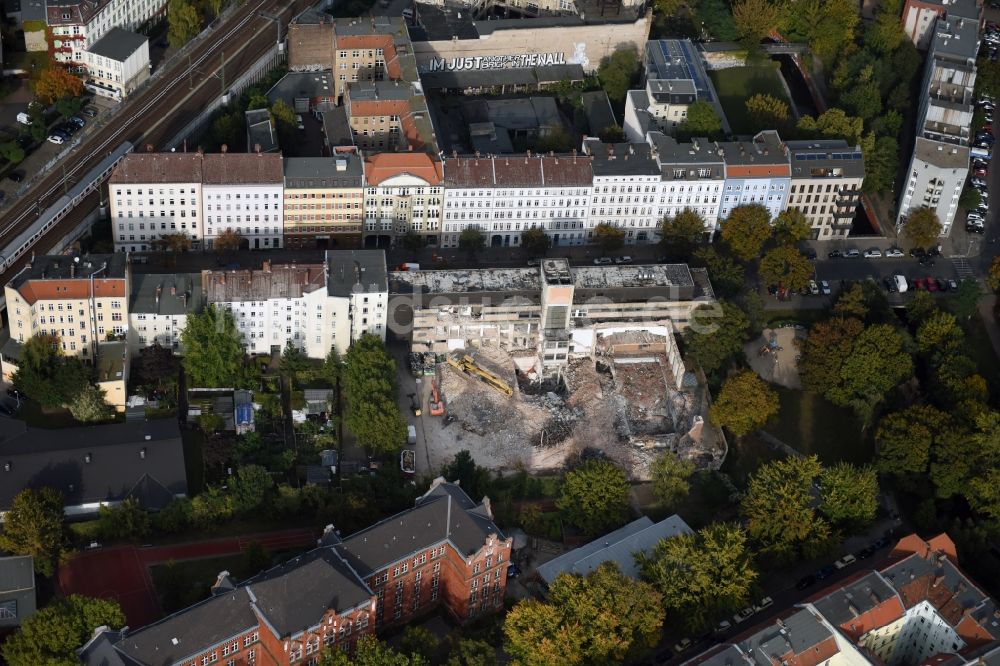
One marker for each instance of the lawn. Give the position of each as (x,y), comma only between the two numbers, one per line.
(811,425)
(736,84)
(745,455)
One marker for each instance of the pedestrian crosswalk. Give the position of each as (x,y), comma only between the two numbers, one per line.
(962,268)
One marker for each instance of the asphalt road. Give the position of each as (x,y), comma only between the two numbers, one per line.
(165,106)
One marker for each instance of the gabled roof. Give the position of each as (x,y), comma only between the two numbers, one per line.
(444,513)
(295,595)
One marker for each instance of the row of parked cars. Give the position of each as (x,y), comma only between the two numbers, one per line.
(982,149)
(843,562)
(870,253)
(62,132)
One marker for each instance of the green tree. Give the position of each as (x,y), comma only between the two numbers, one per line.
(227,129)
(886,34)
(785,265)
(922,227)
(608,238)
(47,376)
(184,22)
(791,226)
(920,307)
(370,652)
(701,121)
(745,403)
(68,106)
(472,240)
(594,497)
(778,508)
(905,439)
(670,475)
(826,25)
(681,234)
(293,362)
(413,241)
(767,111)
(966,300)
(849,495)
(825,350)
(55,83)
(213,352)
(617,73)
(832,124)
(369,386)
(535,242)
(881,164)
(333,365)
(701,575)
(469,652)
(716,335)
(475,480)
(602,618)
(12,152)
(970,198)
(228,241)
(878,361)
(35,525)
(256,99)
(90,405)
(939,333)
(746,230)
(417,640)
(53,634)
(128,520)
(249,487)
(284,117)
(851,302)
(727,276)
(211,508)
(755,20)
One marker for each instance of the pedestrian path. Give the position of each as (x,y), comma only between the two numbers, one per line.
(963,269)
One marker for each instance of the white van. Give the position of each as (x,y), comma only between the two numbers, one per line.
(24,118)
(901,285)
(411,435)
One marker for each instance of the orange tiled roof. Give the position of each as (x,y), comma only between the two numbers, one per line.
(382,166)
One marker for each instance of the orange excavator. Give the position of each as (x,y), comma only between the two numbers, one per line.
(437,401)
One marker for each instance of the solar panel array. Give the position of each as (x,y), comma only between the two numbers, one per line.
(827,156)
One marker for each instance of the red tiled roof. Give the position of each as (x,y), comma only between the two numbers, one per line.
(382,166)
(46,290)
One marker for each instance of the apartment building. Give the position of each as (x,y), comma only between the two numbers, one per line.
(156,196)
(76,26)
(920,17)
(675,78)
(917,608)
(692,177)
(388,116)
(312,306)
(404,192)
(83,301)
(551,313)
(626,190)
(940,161)
(323,201)
(757,172)
(117,63)
(369,49)
(826,185)
(504,196)
(159,305)
(242,194)
(446,552)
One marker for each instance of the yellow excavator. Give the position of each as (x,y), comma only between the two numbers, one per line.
(468,365)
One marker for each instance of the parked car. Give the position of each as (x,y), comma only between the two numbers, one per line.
(805,582)
(835,254)
(866,552)
(90,112)
(890,285)
(845,561)
(513,571)
(16,176)
(723,626)
(682,644)
(952,285)
(762,604)
(623,260)
(931,284)
(56,139)
(880,543)
(743,615)
(809,254)
(852,253)
(873,253)
(298,119)
(977,182)
(813,288)
(893,252)
(825,572)
(824,287)
(603,261)
(78,121)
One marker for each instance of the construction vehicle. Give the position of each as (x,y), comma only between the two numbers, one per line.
(414,404)
(437,402)
(468,365)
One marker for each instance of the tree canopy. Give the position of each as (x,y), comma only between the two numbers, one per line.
(670,476)
(716,335)
(681,234)
(767,111)
(46,375)
(702,575)
(849,495)
(744,404)
(36,526)
(472,240)
(91,406)
(701,121)
(369,384)
(535,241)
(370,652)
(56,83)
(249,487)
(922,227)
(600,618)
(609,238)
(746,230)
(755,20)
(791,226)
(879,360)
(905,439)
(786,266)
(184,22)
(213,351)
(617,72)
(594,497)
(53,634)
(825,350)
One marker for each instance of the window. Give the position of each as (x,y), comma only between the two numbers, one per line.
(8,610)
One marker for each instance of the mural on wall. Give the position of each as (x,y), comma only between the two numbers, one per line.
(579,56)
(514,61)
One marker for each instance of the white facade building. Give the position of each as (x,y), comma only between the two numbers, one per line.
(693,176)
(403,193)
(77,26)
(312,306)
(117,63)
(159,306)
(626,190)
(505,196)
(757,172)
(243,193)
(155,195)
